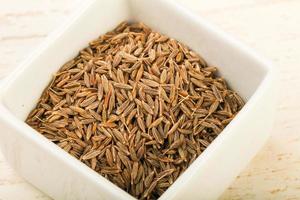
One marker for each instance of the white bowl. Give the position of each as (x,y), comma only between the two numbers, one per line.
(61,176)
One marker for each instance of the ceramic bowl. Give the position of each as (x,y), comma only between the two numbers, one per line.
(61,176)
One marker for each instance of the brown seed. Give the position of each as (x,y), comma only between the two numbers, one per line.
(163,76)
(119,135)
(88,101)
(91,154)
(134,171)
(122,107)
(128,110)
(105,83)
(86,79)
(213,107)
(128,57)
(150,83)
(149,179)
(147,108)
(156,122)
(217,93)
(109,157)
(164,95)
(174,128)
(123,86)
(77,109)
(157,136)
(141,124)
(198,83)
(139,73)
(148,120)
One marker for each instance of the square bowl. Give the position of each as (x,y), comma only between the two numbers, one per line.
(61,176)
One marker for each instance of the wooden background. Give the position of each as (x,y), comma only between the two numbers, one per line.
(271,27)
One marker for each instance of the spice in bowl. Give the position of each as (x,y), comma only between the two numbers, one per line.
(137,107)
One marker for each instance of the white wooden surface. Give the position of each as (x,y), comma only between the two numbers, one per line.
(271,27)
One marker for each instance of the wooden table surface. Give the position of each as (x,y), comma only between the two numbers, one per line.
(271,27)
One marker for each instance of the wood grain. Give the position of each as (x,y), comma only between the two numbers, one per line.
(271,27)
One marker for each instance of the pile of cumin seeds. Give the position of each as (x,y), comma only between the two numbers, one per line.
(137,107)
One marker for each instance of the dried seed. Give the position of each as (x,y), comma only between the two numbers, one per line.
(86,79)
(198,83)
(139,73)
(91,154)
(141,124)
(109,157)
(156,122)
(174,128)
(134,171)
(123,86)
(150,83)
(88,101)
(122,107)
(147,108)
(163,76)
